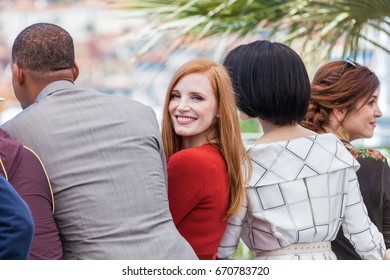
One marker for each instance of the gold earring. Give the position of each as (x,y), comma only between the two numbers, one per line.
(343,131)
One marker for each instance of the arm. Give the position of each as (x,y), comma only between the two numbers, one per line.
(232,234)
(185,184)
(386,203)
(16,225)
(387,255)
(32,183)
(357,226)
(159,142)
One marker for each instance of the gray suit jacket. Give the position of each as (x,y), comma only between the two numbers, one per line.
(105,160)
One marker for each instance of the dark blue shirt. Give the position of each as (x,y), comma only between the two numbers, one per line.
(16,224)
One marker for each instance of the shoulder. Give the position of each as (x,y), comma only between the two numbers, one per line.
(198,159)
(7,142)
(136,110)
(335,147)
(126,101)
(10,154)
(201,155)
(22,121)
(366,153)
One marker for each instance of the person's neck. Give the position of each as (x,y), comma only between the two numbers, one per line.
(340,132)
(275,133)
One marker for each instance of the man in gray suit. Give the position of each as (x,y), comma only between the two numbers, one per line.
(103,155)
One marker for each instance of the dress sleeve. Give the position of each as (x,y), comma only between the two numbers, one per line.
(386,203)
(357,226)
(231,237)
(185,184)
(32,180)
(34,187)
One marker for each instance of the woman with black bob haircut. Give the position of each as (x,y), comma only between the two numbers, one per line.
(277,90)
(302,183)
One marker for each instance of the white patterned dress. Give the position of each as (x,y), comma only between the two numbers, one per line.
(301,191)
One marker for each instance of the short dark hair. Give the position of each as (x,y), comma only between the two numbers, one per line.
(43,47)
(270,80)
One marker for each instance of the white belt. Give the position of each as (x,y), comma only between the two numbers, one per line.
(299,248)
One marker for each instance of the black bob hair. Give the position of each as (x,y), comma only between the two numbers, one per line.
(270,80)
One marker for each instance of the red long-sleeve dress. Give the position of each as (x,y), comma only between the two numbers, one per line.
(198,192)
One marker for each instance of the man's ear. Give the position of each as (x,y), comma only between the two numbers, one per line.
(75,71)
(340,114)
(18,73)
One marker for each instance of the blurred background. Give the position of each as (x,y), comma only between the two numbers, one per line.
(132,48)
(107,49)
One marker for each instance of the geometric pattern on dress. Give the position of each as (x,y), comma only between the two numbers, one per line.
(300,192)
(289,160)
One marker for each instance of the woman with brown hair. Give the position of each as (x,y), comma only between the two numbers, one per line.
(344,101)
(202,142)
(303,185)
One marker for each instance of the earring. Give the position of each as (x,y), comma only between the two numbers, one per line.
(343,131)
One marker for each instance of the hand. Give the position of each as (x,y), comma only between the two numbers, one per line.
(387,255)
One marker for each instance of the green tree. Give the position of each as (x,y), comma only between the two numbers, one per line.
(315,25)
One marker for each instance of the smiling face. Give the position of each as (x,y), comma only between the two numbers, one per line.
(193,109)
(361,123)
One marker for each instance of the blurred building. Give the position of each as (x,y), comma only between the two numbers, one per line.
(104,61)
(107,42)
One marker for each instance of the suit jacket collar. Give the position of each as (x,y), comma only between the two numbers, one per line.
(54,87)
